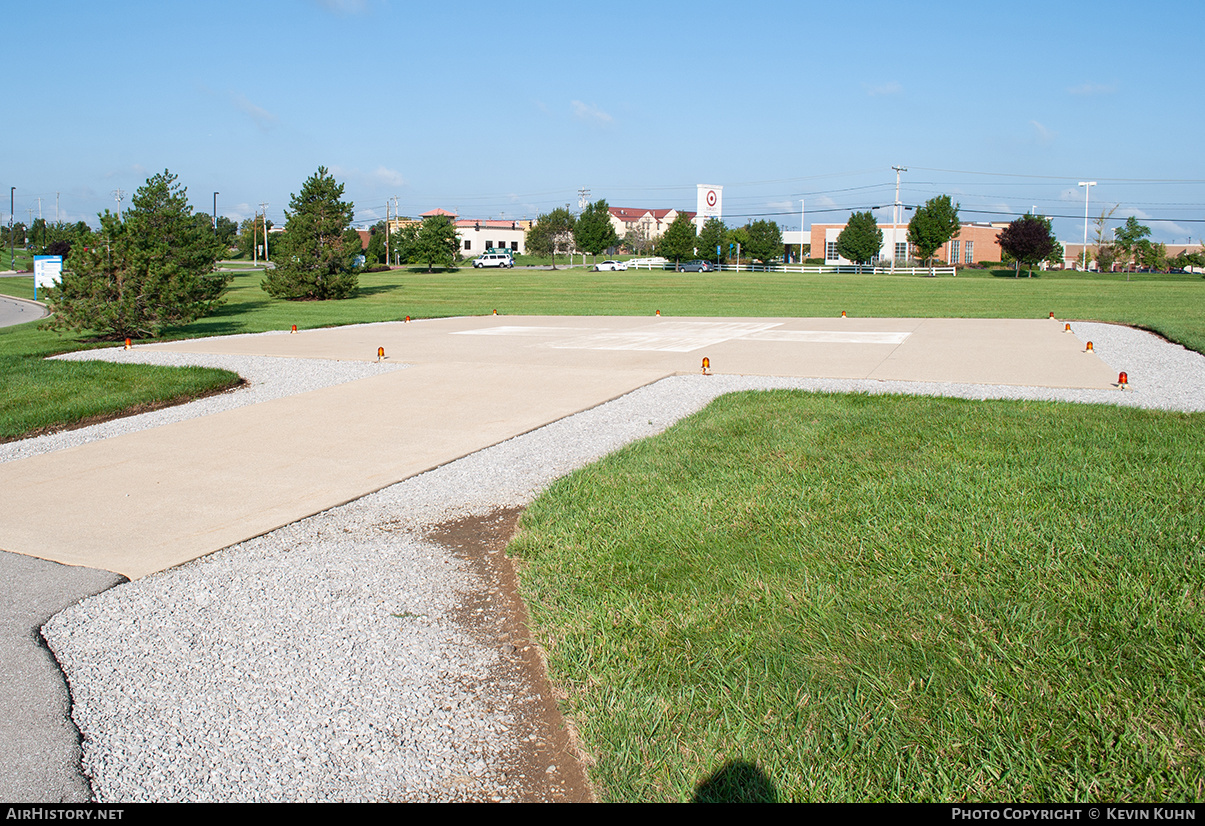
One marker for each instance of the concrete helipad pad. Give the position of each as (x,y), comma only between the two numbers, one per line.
(146,501)
(976,351)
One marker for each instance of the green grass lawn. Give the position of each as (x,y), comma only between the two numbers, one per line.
(886,598)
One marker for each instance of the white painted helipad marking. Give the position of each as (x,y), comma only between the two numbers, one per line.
(827,337)
(516,330)
(684,336)
(669,336)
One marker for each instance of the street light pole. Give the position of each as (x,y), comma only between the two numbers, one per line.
(1087,185)
(12,251)
(215,213)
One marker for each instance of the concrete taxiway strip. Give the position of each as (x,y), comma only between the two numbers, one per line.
(146,501)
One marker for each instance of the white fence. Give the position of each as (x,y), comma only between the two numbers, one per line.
(662,263)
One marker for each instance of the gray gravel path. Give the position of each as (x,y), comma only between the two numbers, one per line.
(324,661)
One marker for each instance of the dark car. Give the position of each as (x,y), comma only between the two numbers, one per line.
(697,266)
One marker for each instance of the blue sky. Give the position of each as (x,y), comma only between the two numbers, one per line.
(507,109)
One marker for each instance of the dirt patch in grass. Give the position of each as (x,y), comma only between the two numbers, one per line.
(546,765)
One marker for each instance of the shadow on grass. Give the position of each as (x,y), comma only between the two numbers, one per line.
(737,781)
(1014,274)
(377,290)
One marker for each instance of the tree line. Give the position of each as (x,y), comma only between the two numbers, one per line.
(558,233)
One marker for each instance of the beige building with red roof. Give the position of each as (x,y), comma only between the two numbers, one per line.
(647,223)
(478,235)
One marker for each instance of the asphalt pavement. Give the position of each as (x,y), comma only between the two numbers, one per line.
(18,311)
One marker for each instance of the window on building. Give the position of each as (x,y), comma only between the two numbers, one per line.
(489,244)
(901,250)
(970,247)
(468,245)
(955,251)
(514,246)
(830,251)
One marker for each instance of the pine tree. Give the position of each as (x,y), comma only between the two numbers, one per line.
(151,269)
(316,259)
(593,232)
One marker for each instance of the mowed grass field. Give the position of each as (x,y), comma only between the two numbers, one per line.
(799,596)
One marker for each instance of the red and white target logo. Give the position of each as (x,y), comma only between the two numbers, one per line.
(711,198)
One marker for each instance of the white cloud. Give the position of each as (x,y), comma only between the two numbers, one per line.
(1092,89)
(389,176)
(136,170)
(1044,134)
(240,212)
(264,119)
(891,87)
(591,113)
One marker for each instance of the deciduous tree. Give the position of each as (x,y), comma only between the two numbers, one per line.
(226,230)
(436,243)
(1028,240)
(933,225)
(678,241)
(765,241)
(251,234)
(1106,252)
(148,270)
(1129,238)
(714,234)
(316,258)
(861,239)
(551,233)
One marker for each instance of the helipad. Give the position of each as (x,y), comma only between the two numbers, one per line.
(142,502)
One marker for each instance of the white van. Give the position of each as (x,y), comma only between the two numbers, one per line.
(494,259)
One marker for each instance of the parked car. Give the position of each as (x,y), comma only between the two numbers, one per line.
(494,259)
(610,265)
(697,266)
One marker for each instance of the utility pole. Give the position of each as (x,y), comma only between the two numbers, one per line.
(12,254)
(215,214)
(264,207)
(583,198)
(57,220)
(802,257)
(1087,185)
(119,196)
(895,213)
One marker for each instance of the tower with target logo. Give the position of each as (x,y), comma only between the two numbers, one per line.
(710,204)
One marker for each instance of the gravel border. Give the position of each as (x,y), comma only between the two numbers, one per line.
(323,661)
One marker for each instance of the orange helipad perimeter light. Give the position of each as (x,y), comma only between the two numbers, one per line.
(380,353)
(407,319)
(1067,328)
(127,344)
(294,329)
(1089,348)
(495,312)
(1122,380)
(706,366)
(658,314)
(1052,315)
(843,315)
